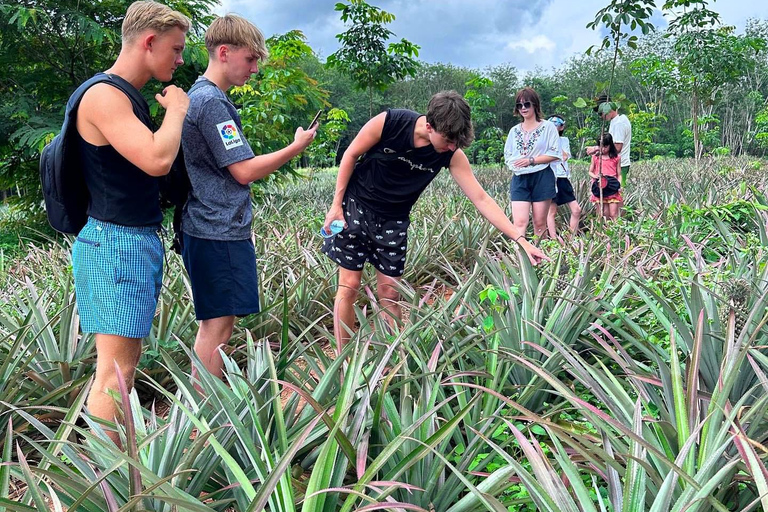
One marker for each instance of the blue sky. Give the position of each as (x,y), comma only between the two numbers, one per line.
(469,33)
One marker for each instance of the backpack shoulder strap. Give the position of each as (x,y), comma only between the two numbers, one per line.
(140,106)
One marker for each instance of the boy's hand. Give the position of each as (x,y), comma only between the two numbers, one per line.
(335,213)
(534,253)
(304,137)
(172,98)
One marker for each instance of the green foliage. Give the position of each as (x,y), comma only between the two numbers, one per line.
(707,58)
(488,146)
(645,126)
(501,379)
(324,150)
(761,120)
(364,54)
(622,13)
(276,102)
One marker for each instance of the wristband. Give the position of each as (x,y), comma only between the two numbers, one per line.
(530,160)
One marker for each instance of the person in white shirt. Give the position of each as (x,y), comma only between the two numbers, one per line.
(530,149)
(565,194)
(620,129)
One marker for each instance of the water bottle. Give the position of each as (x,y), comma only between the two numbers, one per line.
(336,227)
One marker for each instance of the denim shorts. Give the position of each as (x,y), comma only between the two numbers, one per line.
(223,276)
(118,274)
(533,187)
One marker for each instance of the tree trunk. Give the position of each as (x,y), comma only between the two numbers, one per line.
(370,102)
(697,150)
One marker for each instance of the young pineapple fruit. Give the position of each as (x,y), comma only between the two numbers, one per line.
(736,291)
(562,279)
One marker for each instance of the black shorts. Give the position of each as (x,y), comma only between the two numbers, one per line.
(369,238)
(533,187)
(565,193)
(223,276)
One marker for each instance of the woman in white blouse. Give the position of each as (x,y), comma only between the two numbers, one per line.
(531,146)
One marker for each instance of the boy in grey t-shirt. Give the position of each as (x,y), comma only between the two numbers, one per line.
(217,248)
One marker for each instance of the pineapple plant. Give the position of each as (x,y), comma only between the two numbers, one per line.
(736,293)
(563,273)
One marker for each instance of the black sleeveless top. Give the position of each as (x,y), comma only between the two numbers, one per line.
(121,193)
(390,177)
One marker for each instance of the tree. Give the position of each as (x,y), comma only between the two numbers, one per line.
(709,59)
(282,97)
(364,54)
(488,146)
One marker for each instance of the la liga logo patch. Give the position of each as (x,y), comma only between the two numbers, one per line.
(229,132)
(230,135)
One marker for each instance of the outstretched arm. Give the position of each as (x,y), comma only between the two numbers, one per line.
(261,166)
(462,173)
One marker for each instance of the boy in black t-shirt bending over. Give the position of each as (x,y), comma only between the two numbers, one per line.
(402,152)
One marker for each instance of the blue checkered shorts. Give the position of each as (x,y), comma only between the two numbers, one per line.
(118,274)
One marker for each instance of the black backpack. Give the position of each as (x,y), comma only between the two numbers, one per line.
(64,189)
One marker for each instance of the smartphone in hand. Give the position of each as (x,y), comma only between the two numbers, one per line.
(315,120)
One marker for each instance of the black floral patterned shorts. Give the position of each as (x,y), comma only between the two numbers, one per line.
(369,238)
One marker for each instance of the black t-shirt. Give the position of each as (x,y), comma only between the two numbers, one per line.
(390,177)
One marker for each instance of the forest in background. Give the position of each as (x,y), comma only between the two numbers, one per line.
(49,47)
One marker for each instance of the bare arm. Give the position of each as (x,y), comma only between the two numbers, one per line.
(262,166)
(105,117)
(366,138)
(592,169)
(618,145)
(537,160)
(462,173)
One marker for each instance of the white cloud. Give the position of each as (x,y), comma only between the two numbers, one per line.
(476,34)
(533,45)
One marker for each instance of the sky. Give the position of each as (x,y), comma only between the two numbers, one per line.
(469,33)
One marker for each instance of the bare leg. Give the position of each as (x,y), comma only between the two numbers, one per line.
(213,334)
(551,220)
(343,307)
(111,349)
(575,216)
(540,211)
(389,297)
(613,211)
(521,210)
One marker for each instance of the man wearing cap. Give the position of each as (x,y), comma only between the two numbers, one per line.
(621,131)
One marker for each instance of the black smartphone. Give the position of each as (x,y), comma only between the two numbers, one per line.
(314,121)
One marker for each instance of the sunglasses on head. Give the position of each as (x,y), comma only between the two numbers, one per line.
(557,121)
(525,104)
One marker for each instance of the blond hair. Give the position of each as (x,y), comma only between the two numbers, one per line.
(236,31)
(148,15)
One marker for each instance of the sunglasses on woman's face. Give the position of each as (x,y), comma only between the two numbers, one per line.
(525,104)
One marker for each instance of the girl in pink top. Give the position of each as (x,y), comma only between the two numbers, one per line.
(607,164)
